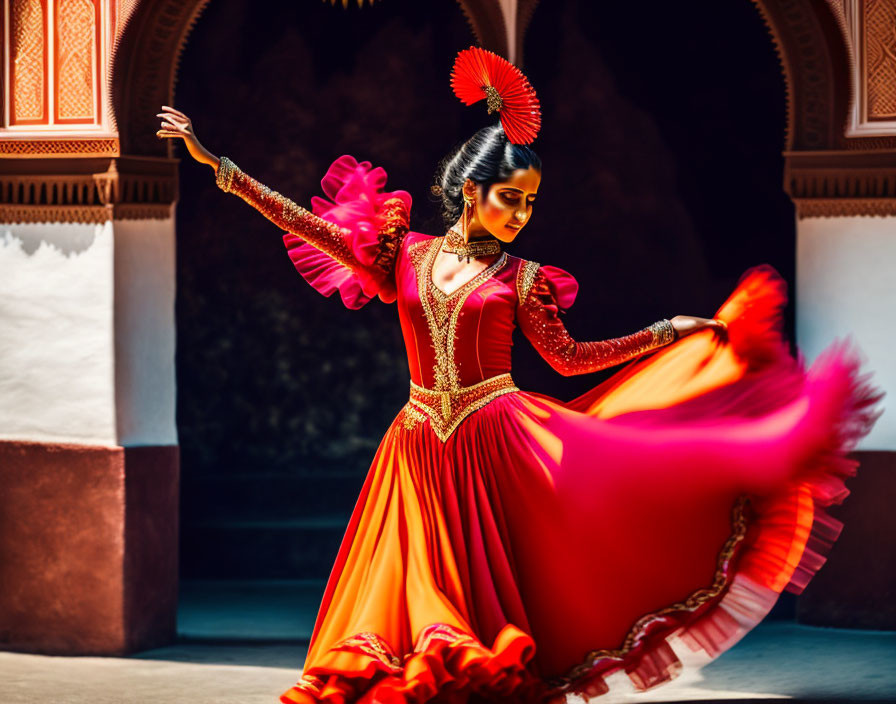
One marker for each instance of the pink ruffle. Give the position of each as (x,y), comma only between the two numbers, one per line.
(354,200)
(790,533)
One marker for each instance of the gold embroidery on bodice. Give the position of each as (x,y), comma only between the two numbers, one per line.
(447,403)
(442,310)
(525,277)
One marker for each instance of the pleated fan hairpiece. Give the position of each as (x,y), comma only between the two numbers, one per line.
(480,74)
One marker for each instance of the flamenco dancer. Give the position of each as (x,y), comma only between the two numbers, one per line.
(506,545)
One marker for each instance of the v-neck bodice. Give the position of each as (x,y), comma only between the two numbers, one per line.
(481,313)
(473,281)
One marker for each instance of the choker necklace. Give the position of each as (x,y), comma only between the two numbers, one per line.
(454,243)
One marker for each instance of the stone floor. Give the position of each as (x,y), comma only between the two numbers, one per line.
(242,645)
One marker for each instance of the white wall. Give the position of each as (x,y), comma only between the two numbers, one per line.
(846,286)
(87,333)
(145,332)
(57,381)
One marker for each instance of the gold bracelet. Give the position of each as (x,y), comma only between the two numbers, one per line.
(224,173)
(663,332)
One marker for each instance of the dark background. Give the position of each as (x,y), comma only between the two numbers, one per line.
(663,126)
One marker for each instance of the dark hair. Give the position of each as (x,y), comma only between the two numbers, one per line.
(487,157)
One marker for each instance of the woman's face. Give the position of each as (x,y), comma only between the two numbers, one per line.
(507,207)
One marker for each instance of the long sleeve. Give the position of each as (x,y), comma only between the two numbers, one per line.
(538,317)
(361,234)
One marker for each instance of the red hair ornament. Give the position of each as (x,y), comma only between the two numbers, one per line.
(479,74)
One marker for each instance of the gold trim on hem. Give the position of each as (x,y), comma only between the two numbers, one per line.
(721,581)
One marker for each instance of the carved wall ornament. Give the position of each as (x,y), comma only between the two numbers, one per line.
(870,30)
(21,148)
(57,60)
(88,190)
(812,40)
(848,182)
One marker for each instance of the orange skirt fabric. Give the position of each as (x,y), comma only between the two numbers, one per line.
(549,548)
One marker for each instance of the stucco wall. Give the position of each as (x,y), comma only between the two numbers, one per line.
(145,339)
(87,333)
(846,286)
(56,333)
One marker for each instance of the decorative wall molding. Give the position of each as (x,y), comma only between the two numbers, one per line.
(810,36)
(814,61)
(57,65)
(88,190)
(870,30)
(827,172)
(60,148)
(834,183)
(842,207)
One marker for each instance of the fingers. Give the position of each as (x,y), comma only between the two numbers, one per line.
(716,323)
(686,325)
(720,327)
(173,120)
(174,110)
(175,117)
(171,124)
(174,123)
(170,129)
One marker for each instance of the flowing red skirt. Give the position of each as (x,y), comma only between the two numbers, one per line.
(549,548)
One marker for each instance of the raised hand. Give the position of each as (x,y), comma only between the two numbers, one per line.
(176,124)
(687,324)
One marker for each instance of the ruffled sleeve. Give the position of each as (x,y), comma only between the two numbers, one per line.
(350,241)
(556,288)
(553,291)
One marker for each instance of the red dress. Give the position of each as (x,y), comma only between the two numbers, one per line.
(509,546)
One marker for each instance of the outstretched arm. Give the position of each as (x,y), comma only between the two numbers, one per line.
(539,320)
(304,226)
(287,215)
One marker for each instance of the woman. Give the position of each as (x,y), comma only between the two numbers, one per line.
(507,546)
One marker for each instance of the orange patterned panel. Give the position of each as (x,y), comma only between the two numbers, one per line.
(77,60)
(28,47)
(879,36)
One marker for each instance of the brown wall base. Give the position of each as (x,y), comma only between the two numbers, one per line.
(88,548)
(856,587)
